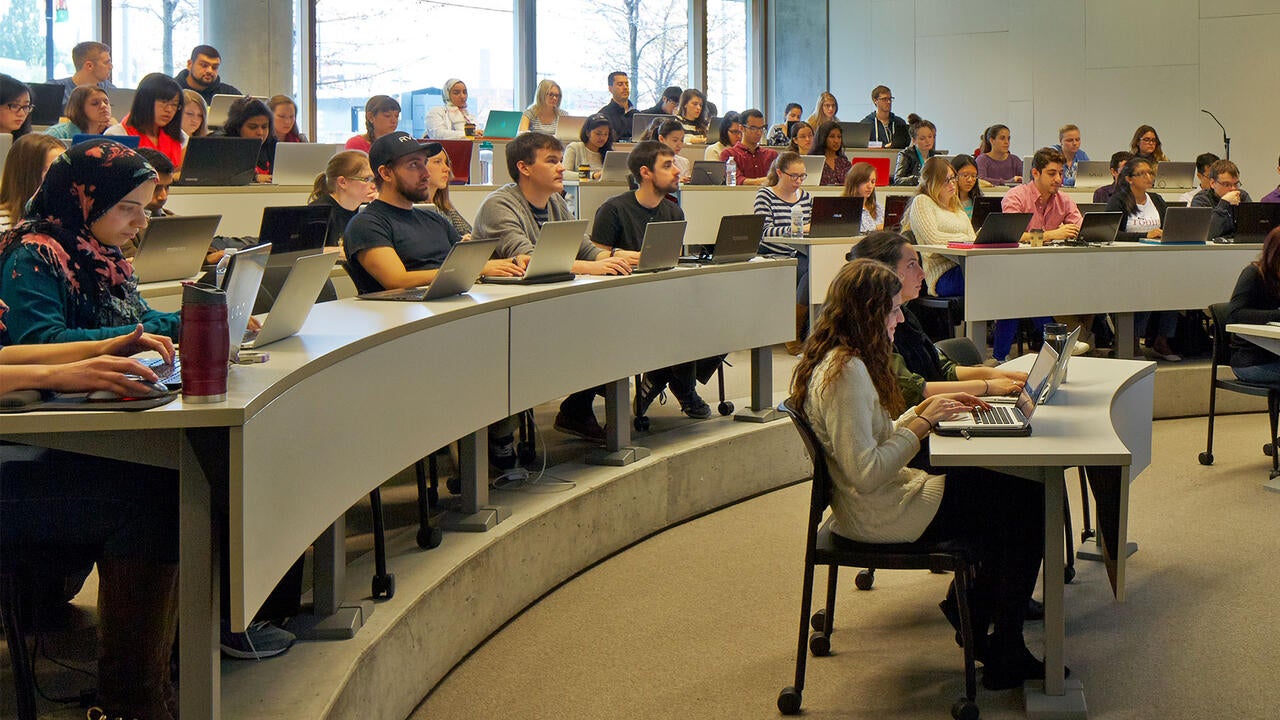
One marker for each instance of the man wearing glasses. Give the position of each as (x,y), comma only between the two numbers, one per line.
(886,128)
(753,159)
(1223,194)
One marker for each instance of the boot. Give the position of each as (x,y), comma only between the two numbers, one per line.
(794,347)
(137,620)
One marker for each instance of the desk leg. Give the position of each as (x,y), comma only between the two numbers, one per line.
(202,460)
(475,513)
(762,409)
(977,332)
(618,450)
(1125,335)
(330,619)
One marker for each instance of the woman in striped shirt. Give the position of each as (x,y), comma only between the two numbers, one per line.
(776,201)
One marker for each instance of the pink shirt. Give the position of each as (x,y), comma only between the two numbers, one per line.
(1045,214)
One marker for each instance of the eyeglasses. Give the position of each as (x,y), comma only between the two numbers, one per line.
(885,97)
(1229,185)
(798,177)
(554,95)
(755,128)
(170,104)
(15,107)
(968,176)
(1147,140)
(365,179)
(951,180)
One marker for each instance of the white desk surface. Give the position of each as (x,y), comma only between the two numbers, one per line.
(1266,337)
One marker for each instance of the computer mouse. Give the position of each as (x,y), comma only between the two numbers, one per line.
(156,390)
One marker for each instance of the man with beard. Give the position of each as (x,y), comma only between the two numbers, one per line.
(202,76)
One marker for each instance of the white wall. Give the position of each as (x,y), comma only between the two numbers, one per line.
(1105,65)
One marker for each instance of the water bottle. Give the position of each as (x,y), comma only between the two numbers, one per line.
(730,172)
(206,344)
(220,270)
(486,163)
(1056,335)
(797,221)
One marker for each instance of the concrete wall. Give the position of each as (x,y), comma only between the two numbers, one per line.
(255,39)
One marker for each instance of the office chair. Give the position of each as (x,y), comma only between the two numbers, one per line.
(1222,356)
(822,548)
(706,367)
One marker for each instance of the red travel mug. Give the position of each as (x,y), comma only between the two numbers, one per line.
(205,344)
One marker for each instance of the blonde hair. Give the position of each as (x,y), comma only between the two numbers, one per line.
(540,97)
(816,118)
(1066,129)
(932,179)
(195,99)
(342,164)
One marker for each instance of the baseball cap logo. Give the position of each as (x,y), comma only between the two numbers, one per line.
(405,139)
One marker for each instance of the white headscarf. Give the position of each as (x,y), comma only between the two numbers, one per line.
(448,85)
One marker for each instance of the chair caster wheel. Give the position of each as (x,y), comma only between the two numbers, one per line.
(641,423)
(964,709)
(1068,574)
(865,579)
(819,620)
(789,701)
(819,644)
(454,484)
(725,408)
(1269,449)
(384,586)
(430,537)
(1206,458)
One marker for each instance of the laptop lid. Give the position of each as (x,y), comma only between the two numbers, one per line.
(174,247)
(1028,399)
(641,122)
(1093,172)
(1003,229)
(707,172)
(1099,227)
(456,275)
(1170,174)
(615,167)
(812,168)
(121,100)
(219,161)
(220,107)
(297,297)
(1255,220)
(1186,225)
(660,249)
(895,208)
(502,123)
(1059,372)
(569,128)
(855,134)
(294,230)
(835,216)
(1086,208)
(556,249)
(984,206)
(300,163)
(244,276)
(738,238)
(47,97)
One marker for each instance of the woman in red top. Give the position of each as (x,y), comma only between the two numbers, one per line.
(156,117)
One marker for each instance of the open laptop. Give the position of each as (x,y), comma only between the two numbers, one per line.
(293,304)
(1255,220)
(813,168)
(174,247)
(121,100)
(220,107)
(1184,226)
(660,249)
(1172,174)
(569,128)
(835,216)
(855,134)
(895,209)
(1098,228)
(458,272)
(1093,173)
(294,230)
(984,206)
(615,167)
(1003,420)
(999,230)
(553,255)
(1056,375)
(641,122)
(707,172)
(300,163)
(219,161)
(47,97)
(502,124)
(737,240)
(244,277)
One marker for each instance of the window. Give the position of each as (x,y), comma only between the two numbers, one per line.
(727,67)
(407,50)
(581,41)
(152,36)
(24,41)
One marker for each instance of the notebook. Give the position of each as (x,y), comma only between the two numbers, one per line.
(641,122)
(660,249)
(737,240)
(855,134)
(458,272)
(1005,420)
(1172,174)
(813,168)
(707,172)
(569,128)
(502,123)
(1098,228)
(220,107)
(244,276)
(615,167)
(220,161)
(999,230)
(835,216)
(553,255)
(300,163)
(1254,220)
(1184,226)
(174,247)
(293,304)
(294,230)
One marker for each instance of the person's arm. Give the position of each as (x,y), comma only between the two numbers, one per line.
(931,226)
(439,127)
(499,220)
(57,353)
(1249,301)
(765,205)
(905,171)
(383,263)
(975,386)
(99,373)
(1016,163)
(524,123)
(848,408)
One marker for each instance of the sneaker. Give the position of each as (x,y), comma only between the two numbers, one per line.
(502,453)
(586,427)
(261,641)
(650,389)
(694,406)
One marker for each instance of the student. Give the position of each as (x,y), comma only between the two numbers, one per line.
(88,112)
(543,115)
(778,134)
(452,120)
(668,103)
(861,183)
(1146,143)
(1143,217)
(670,132)
(381,117)
(346,183)
(1203,161)
(844,386)
(1069,144)
(156,117)
(619,109)
(250,118)
(92,61)
(968,189)
(1256,300)
(284,119)
(1118,160)
(906,170)
(195,115)
(829,141)
(15,106)
(776,202)
(24,169)
(694,116)
(61,271)
(996,165)
(824,111)
(887,128)
(438,185)
(202,76)
(801,137)
(159,196)
(1224,193)
(594,140)
(935,217)
(1274,195)
(752,158)
(730,135)
(1051,211)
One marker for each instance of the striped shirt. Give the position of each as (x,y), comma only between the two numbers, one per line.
(777,218)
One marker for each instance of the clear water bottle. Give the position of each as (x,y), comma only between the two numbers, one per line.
(486,163)
(797,221)
(730,172)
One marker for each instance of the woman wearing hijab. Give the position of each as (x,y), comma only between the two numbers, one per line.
(62,272)
(450,121)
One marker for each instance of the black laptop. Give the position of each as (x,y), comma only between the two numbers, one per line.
(707,172)
(294,231)
(855,134)
(47,97)
(835,216)
(1098,228)
(219,161)
(984,206)
(737,240)
(895,209)
(1255,220)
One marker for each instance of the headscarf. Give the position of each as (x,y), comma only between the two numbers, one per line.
(448,85)
(80,187)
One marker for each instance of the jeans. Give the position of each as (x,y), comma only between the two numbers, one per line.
(1268,374)
(1006,329)
(1166,323)
(951,283)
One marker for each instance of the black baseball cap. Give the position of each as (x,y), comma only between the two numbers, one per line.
(391,147)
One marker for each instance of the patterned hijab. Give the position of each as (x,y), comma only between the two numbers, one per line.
(80,187)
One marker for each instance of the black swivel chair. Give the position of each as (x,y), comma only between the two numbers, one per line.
(1222,356)
(822,548)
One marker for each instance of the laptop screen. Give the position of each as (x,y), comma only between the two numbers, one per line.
(1036,380)
(244,276)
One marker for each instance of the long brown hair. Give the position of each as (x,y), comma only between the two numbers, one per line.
(852,324)
(75,106)
(22,169)
(1268,263)
(858,174)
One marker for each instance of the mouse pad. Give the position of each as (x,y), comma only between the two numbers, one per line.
(20,401)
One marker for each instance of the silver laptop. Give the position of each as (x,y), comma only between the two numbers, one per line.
(660,249)
(1004,419)
(1093,173)
(813,168)
(553,255)
(294,303)
(1185,225)
(615,167)
(244,277)
(458,272)
(569,128)
(1059,373)
(300,163)
(121,100)
(1179,175)
(220,107)
(174,247)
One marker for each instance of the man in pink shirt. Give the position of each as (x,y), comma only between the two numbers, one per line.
(1051,211)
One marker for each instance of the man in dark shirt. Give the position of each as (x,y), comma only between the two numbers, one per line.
(1118,161)
(667,103)
(887,128)
(752,158)
(1223,195)
(202,76)
(620,109)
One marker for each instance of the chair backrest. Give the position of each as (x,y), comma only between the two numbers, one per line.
(820,493)
(960,350)
(359,279)
(1221,343)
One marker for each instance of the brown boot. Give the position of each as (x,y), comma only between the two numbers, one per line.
(794,347)
(137,620)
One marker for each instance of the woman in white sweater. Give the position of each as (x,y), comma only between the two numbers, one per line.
(884,491)
(936,218)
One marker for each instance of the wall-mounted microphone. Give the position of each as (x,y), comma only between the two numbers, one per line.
(1226,141)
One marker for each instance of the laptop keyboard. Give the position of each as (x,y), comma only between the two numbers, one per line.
(996,415)
(168,374)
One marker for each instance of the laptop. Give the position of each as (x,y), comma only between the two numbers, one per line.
(502,124)
(1003,420)
(615,167)
(999,230)
(219,161)
(174,247)
(300,163)
(1184,226)
(1098,228)
(895,209)
(1255,220)
(121,100)
(835,216)
(1086,208)
(707,172)
(713,128)
(220,107)
(1093,173)
(47,97)
(553,255)
(737,240)
(1056,376)
(1172,174)
(855,134)
(984,206)
(293,304)
(294,231)
(641,122)
(459,152)
(458,272)
(129,141)
(244,277)
(813,168)
(660,249)
(569,128)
